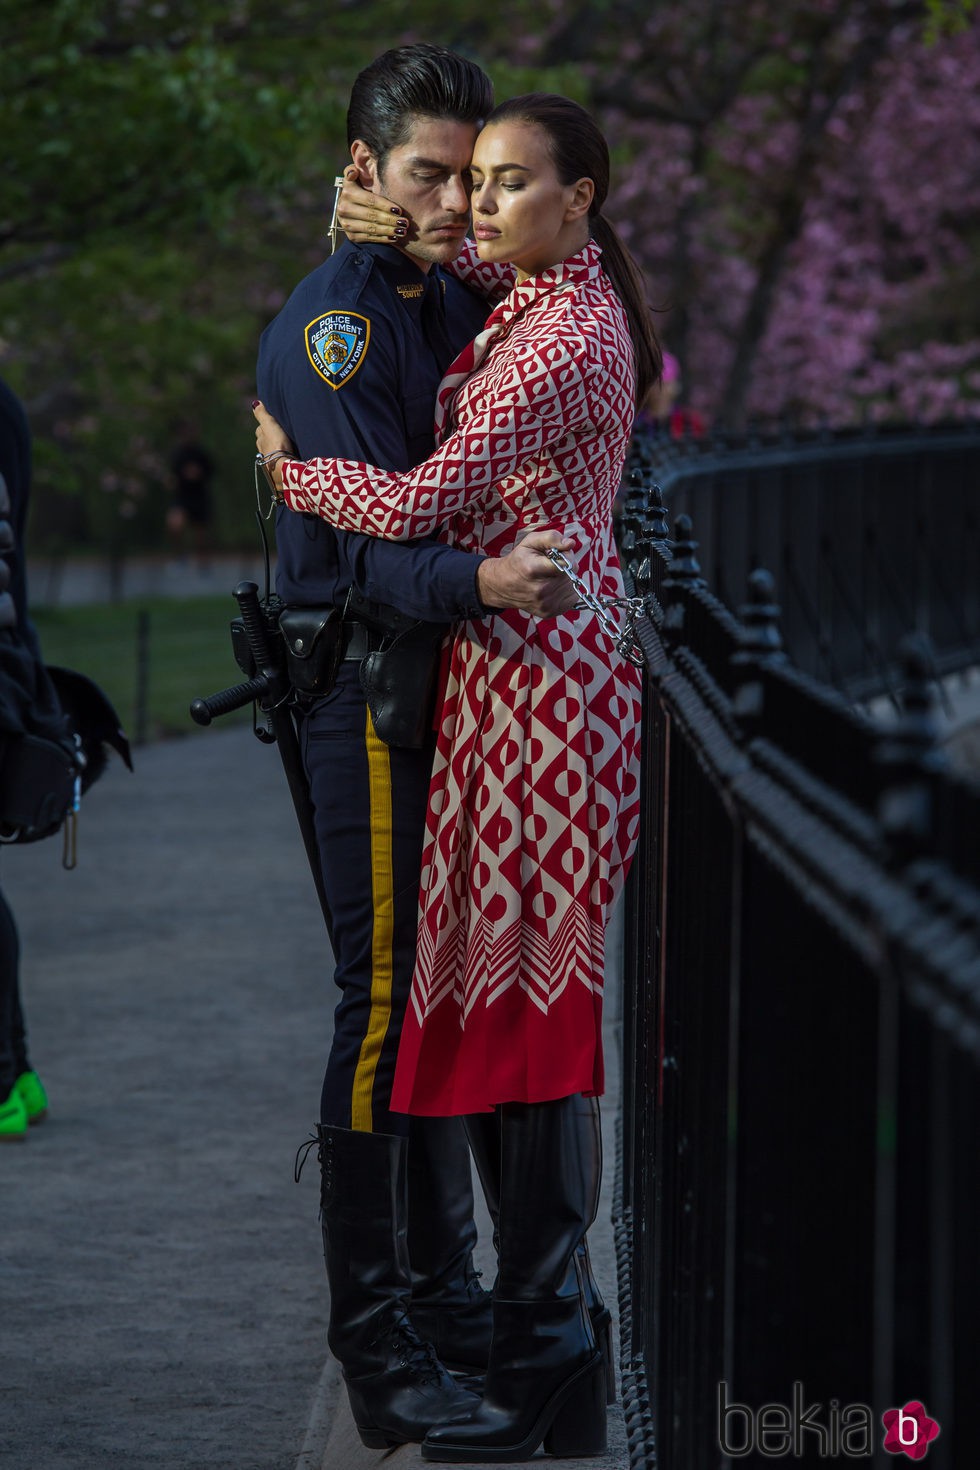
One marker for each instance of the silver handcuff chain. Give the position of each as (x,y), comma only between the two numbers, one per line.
(624,638)
(335,228)
(261,483)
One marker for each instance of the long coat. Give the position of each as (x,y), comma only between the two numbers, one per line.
(533,807)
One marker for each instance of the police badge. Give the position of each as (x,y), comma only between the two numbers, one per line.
(336,344)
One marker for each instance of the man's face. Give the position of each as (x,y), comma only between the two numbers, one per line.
(429,177)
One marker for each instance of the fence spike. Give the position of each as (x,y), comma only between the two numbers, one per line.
(652,543)
(657,527)
(683,575)
(908,754)
(635,492)
(760,646)
(759,617)
(627,539)
(685,569)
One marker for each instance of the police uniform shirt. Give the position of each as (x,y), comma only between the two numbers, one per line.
(350,368)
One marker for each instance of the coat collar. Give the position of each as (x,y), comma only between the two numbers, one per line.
(585,265)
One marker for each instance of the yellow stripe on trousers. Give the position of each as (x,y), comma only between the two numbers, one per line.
(379,788)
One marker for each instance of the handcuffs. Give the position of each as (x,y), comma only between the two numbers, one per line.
(624,638)
(262,462)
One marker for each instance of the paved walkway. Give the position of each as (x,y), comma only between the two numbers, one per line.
(160,1273)
(162,1295)
(71,582)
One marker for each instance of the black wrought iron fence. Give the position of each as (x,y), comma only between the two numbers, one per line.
(869,535)
(797,1219)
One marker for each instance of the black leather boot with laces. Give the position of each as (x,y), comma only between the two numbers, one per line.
(396,1384)
(395,1403)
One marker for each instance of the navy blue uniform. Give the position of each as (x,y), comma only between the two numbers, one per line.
(350,368)
(377,407)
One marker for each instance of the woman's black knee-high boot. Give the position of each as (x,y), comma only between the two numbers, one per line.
(545,1380)
(396,1384)
(590,1123)
(483,1131)
(449,1307)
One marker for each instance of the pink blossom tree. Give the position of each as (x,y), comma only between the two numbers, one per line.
(803,195)
(770,158)
(798,178)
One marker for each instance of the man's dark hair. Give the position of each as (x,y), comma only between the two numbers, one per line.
(414,81)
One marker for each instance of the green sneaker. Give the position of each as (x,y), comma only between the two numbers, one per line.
(32,1094)
(13,1117)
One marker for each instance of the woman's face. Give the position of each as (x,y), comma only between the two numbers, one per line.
(521,210)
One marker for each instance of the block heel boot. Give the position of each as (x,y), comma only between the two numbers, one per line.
(545,1378)
(545,1385)
(396,1384)
(483,1132)
(578,1428)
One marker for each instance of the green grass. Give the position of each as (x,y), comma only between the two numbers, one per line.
(188,654)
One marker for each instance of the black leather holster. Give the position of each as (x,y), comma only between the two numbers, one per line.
(314,641)
(399,676)
(398,657)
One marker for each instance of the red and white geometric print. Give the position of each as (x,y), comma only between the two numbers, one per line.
(534,803)
(493,280)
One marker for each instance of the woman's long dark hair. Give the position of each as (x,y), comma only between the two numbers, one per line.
(579,151)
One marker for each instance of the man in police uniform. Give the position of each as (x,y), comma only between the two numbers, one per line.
(350,367)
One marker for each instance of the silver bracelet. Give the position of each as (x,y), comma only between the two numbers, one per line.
(263,461)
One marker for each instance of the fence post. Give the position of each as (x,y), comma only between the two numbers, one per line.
(760,642)
(684,573)
(142,676)
(906,757)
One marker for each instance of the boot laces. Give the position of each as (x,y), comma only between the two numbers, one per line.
(415,1354)
(473,1290)
(304,1149)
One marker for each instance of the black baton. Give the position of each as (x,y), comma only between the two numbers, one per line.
(270,688)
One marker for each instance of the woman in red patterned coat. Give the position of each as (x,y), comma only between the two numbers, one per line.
(533,807)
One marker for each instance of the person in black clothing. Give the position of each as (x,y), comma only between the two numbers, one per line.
(55,725)
(192,507)
(28,702)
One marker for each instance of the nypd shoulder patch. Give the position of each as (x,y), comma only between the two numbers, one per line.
(336,344)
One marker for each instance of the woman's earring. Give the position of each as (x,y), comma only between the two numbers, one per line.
(334,229)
